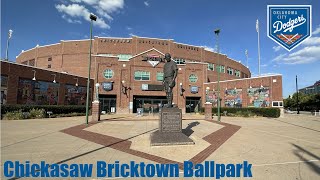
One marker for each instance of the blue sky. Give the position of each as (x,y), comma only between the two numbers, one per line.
(187,21)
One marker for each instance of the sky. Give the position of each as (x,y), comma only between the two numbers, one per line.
(43,22)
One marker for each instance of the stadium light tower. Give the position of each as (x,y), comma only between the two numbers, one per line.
(216,32)
(92,18)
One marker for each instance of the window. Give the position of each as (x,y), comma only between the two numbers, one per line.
(221,68)
(237,73)
(210,66)
(49,65)
(179,61)
(142,75)
(50,59)
(277,104)
(230,71)
(193,78)
(124,56)
(159,76)
(108,74)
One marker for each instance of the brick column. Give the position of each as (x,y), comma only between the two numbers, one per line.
(208,111)
(95,111)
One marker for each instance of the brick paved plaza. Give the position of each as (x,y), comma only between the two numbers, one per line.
(282,148)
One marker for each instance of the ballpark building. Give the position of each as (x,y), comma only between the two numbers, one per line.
(129,74)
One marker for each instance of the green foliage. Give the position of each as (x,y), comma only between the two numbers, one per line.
(307,102)
(13,115)
(68,115)
(56,109)
(37,113)
(40,111)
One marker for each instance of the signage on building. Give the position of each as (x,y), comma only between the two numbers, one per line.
(107,86)
(153,59)
(194,89)
(289,25)
(151,87)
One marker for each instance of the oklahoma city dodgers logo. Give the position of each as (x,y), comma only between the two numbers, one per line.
(289,25)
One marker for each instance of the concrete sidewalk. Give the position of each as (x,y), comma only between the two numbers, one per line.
(282,148)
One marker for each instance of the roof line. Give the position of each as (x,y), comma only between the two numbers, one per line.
(244,78)
(146,52)
(34,67)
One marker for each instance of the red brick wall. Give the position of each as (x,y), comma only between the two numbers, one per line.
(16,71)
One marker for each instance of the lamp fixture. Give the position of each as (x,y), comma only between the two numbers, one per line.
(54,78)
(34,75)
(181,90)
(124,88)
(77,81)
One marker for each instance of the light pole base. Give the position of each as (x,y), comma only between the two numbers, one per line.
(208,111)
(96,111)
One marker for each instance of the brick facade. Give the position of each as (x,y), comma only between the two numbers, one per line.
(14,72)
(72,57)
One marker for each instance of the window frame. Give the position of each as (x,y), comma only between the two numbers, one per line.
(158,73)
(196,78)
(142,75)
(104,73)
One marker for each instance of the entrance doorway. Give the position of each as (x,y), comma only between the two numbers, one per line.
(108,103)
(149,104)
(193,104)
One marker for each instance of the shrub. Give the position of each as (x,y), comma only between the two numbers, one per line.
(250,111)
(56,109)
(68,115)
(37,113)
(13,115)
(38,109)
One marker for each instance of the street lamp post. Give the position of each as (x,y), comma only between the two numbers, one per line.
(7,50)
(216,32)
(92,18)
(298,112)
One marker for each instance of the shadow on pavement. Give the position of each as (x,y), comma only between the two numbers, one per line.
(188,130)
(312,165)
(297,125)
(86,153)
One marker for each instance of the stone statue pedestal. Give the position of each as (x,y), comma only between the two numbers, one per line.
(170,129)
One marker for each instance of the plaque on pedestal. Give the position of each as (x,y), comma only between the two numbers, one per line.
(170,129)
(170,120)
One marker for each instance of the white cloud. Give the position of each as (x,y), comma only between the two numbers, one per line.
(70,20)
(103,14)
(74,10)
(276,48)
(317,31)
(131,34)
(264,65)
(129,28)
(306,55)
(103,8)
(146,3)
(111,6)
(311,41)
(76,1)
(279,57)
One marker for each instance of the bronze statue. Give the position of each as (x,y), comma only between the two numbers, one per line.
(170,71)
